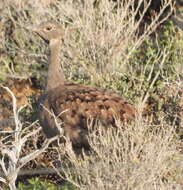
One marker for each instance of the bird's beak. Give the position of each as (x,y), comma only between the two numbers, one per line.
(31,28)
(34,29)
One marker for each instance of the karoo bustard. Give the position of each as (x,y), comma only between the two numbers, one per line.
(74,104)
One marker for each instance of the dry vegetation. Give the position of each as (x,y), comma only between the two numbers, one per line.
(119,45)
(143,156)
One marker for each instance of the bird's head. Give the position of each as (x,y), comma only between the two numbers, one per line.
(49,30)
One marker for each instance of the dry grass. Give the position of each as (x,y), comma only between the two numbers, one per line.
(109,47)
(142,156)
(103,42)
(11,147)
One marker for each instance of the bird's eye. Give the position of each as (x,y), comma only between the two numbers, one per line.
(48,28)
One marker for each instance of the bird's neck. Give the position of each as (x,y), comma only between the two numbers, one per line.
(55,73)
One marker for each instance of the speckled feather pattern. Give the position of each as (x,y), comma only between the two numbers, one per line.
(76,104)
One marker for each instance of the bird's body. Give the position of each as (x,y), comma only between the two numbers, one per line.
(76,105)
(73,104)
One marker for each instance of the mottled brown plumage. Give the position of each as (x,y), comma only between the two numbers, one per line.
(75,104)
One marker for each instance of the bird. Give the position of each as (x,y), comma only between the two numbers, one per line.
(74,105)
